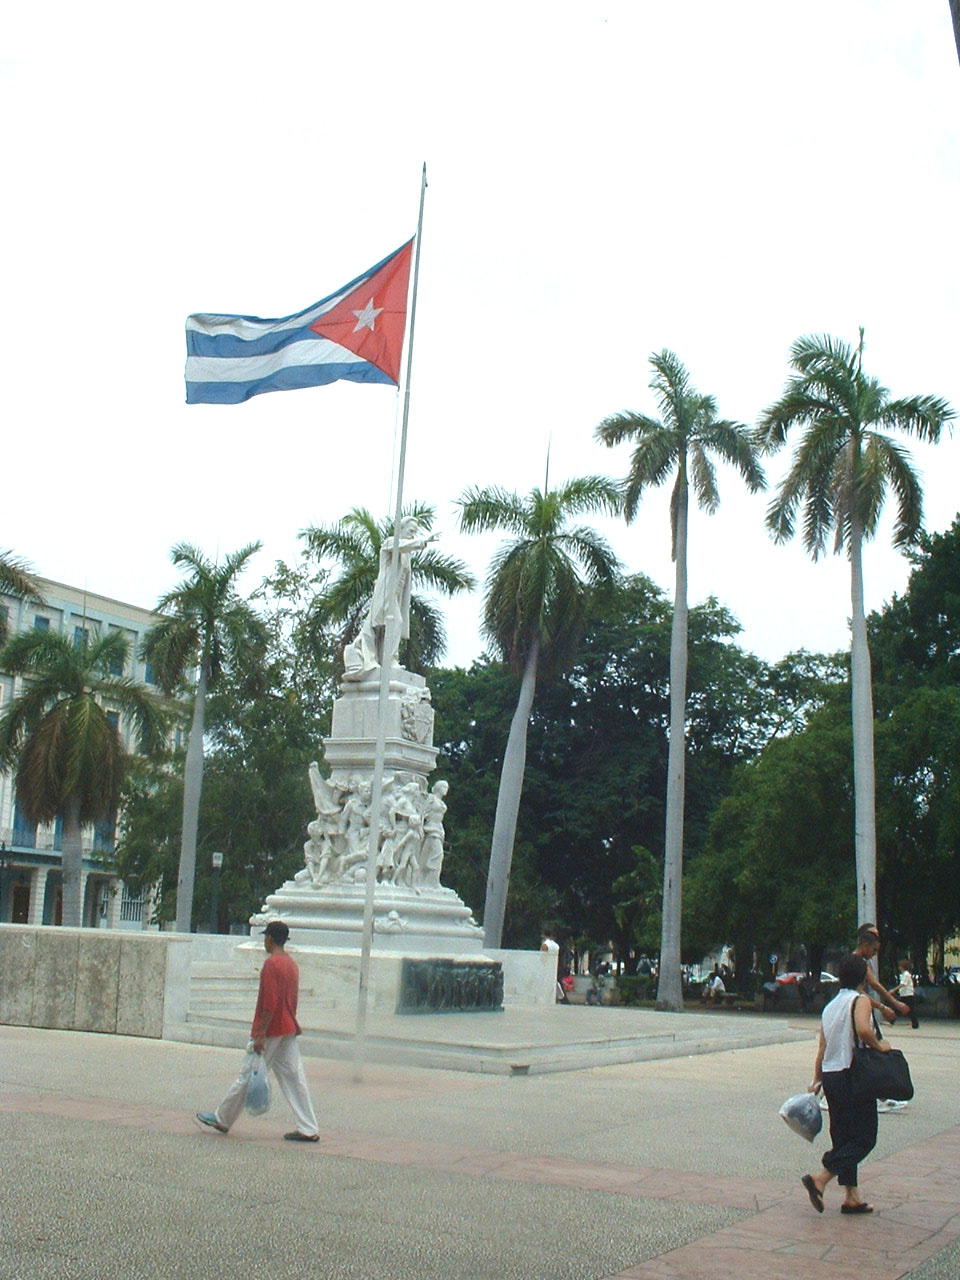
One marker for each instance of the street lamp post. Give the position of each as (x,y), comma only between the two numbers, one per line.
(217,859)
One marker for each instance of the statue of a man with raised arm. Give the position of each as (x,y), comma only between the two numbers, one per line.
(366,652)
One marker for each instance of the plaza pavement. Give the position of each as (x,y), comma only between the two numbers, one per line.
(669,1169)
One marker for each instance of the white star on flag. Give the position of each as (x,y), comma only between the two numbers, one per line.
(366,317)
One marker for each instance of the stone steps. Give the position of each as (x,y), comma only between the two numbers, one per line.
(483,1043)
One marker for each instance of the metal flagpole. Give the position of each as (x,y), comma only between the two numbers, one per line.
(392,623)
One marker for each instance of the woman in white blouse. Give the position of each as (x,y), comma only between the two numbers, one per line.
(853,1125)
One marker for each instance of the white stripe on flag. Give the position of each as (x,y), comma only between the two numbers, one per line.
(249,369)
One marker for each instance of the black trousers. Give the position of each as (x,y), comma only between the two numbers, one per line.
(910,1002)
(853,1128)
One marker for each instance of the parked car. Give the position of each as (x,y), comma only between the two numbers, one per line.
(826,978)
(952,976)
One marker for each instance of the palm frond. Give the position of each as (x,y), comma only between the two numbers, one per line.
(18,579)
(650,465)
(485,509)
(625,426)
(904,480)
(733,442)
(441,573)
(922,416)
(703,477)
(671,385)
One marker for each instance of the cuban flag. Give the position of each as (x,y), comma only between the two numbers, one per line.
(355,333)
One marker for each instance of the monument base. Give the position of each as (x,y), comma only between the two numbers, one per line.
(428,921)
(330,977)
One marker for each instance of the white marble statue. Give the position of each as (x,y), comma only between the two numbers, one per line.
(409,815)
(364,654)
(431,851)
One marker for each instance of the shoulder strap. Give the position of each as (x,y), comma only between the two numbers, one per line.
(853,1020)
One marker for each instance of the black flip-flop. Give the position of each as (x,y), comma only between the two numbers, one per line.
(816,1196)
(862,1207)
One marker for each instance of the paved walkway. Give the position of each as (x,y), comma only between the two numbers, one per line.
(678,1168)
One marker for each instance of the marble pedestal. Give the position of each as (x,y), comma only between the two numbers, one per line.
(414,913)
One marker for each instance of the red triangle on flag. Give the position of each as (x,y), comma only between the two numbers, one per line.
(370,320)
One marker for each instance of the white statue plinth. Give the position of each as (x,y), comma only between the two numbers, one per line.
(413,913)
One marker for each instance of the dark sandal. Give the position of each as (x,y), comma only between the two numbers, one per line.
(863,1207)
(816,1196)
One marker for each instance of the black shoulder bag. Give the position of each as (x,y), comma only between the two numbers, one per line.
(874,1074)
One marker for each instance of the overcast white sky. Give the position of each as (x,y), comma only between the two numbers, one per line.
(605,180)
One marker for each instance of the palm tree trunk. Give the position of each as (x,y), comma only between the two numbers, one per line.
(669,985)
(71,863)
(508,805)
(192,782)
(864,783)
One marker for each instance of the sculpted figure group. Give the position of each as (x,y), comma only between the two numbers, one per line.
(410,842)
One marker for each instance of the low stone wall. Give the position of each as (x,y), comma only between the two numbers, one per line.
(119,982)
(111,981)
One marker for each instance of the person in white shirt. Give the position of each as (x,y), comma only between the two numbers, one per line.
(853,1124)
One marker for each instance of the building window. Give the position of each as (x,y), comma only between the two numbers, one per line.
(148,676)
(41,624)
(80,637)
(103,834)
(131,906)
(24,832)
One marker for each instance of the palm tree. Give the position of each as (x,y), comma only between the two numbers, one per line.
(537,593)
(838,478)
(16,579)
(681,440)
(354,544)
(208,628)
(70,760)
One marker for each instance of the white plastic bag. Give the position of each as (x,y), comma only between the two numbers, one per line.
(802,1114)
(258,1087)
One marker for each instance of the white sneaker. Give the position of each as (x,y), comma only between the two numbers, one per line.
(890,1104)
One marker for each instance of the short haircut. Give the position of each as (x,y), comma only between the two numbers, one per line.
(868,933)
(851,970)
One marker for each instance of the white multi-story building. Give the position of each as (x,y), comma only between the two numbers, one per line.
(30,876)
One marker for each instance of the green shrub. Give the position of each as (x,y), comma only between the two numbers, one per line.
(636,988)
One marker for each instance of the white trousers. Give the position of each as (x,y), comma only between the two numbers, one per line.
(281,1055)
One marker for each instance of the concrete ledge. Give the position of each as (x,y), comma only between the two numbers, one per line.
(103,980)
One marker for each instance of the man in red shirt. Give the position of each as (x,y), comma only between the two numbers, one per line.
(274,1034)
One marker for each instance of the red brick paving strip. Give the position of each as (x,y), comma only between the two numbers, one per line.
(915,1189)
(918,1214)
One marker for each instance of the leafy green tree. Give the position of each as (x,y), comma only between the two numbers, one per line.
(915,640)
(918,822)
(354,544)
(637,913)
(207,628)
(682,440)
(596,762)
(70,759)
(777,846)
(537,595)
(255,800)
(840,473)
(16,579)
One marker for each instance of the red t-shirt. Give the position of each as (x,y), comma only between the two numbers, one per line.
(279,986)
